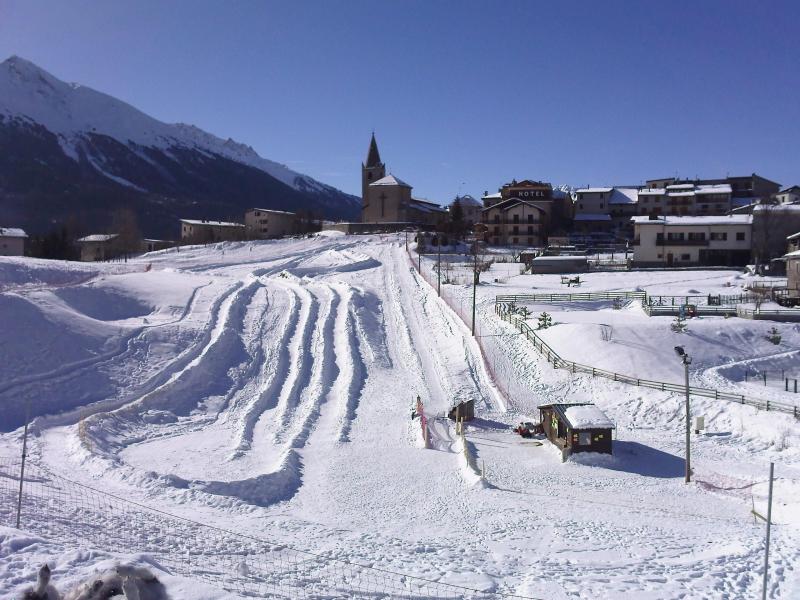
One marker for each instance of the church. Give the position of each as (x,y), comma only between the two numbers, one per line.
(387,199)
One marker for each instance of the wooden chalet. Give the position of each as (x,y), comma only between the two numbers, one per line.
(577,428)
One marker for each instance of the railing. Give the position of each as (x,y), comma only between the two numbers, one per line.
(560,363)
(648,301)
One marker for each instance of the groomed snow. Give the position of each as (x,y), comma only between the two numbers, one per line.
(267,387)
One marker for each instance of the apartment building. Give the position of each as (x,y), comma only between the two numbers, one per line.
(263,223)
(515,222)
(691,241)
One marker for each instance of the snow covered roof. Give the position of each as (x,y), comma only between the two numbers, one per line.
(792,255)
(594,190)
(624,196)
(681,186)
(701,220)
(99,237)
(652,192)
(671,193)
(14,232)
(390,180)
(496,196)
(714,189)
(210,223)
(269,210)
(794,236)
(425,206)
(562,258)
(587,416)
(777,207)
(593,217)
(795,189)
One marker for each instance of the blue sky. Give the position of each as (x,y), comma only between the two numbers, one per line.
(463,96)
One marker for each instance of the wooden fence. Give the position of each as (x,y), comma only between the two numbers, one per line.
(560,363)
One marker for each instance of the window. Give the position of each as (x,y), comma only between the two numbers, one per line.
(718,235)
(580,205)
(497,218)
(530,219)
(697,236)
(530,241)
(515,241)
(516,218)
(496,230)
(740,236)
(686,257)
(530,229)
(584,438)
(675,236)
(660,256)
(516,230)
(601,205)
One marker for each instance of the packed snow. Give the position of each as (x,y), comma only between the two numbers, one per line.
(267,388)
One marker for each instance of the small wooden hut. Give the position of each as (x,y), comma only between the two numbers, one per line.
(577,428)
(463,410)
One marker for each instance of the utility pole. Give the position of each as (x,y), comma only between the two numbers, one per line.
(474,280)
(769,524)
(687,360)
(22,468)
(439,260)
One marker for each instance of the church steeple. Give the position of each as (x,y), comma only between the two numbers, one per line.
(373,156)
(371,171)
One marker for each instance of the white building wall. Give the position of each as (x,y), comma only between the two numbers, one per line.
(12,246)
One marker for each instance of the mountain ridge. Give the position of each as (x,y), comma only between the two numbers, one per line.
(110,145)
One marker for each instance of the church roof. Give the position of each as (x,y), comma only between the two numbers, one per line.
(373,156)
(390,180)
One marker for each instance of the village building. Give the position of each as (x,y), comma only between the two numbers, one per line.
(204,232)
(263,223)
(101,246)
(387,199)
(745,189)
(12,241)
(789,195)
(685,199)
(491,199)
(514,222)
(691,241)
(526,214)
(772,224)
(577,428)
(604,210)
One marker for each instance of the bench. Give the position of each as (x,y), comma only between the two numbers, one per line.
(570,281)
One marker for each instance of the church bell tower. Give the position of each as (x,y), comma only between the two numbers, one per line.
(371,171)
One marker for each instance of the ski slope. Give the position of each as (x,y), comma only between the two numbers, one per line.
(267,387)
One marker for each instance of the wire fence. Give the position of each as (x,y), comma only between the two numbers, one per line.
(66,511)
(508,314)
(506,374)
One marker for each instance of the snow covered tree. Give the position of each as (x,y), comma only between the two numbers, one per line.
(545,321)
(679,325)
(774,336)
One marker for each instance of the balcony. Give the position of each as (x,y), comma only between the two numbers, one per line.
(663,242)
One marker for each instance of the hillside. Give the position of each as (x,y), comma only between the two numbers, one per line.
(68,152)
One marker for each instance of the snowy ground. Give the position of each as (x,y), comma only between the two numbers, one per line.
(267,388)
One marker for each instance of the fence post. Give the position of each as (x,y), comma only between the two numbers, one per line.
(768,405)
(795,386)
(22,467)
(787,385)
(765,378)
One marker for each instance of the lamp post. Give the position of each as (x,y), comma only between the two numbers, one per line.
(687,360)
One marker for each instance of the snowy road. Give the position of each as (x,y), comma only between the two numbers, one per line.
(267,388)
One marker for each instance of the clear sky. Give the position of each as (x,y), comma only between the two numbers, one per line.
(463,96)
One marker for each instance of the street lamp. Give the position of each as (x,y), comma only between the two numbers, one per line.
(687,360)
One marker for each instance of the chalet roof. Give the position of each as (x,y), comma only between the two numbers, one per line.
(699,220)
(390,180)
(373,156)
(14,232)
(528,183)
(425,206)
(511,203)
(624,196)
(581,416)
(724,188)
(210,223)
(99,237)
(794,189)
(269,210)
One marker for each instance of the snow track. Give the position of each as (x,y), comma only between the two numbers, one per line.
(268,387)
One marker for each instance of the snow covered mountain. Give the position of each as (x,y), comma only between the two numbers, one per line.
(68,150)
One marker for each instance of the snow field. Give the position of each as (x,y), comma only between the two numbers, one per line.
(270,392)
